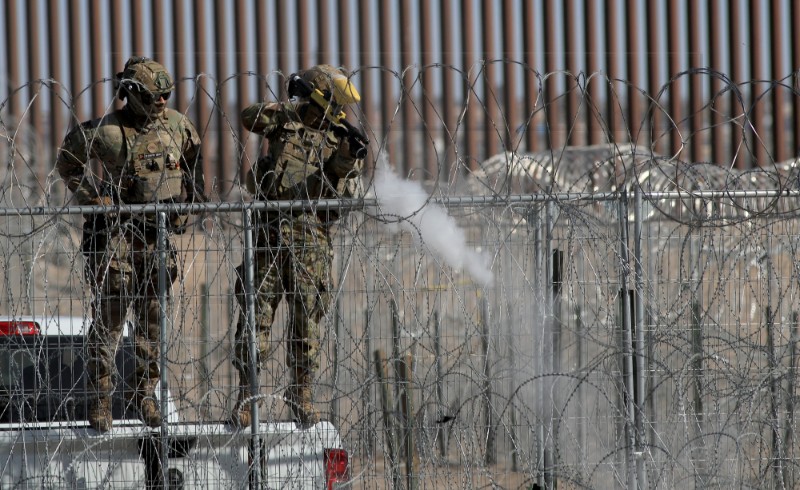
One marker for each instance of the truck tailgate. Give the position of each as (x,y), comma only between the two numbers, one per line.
(201,455)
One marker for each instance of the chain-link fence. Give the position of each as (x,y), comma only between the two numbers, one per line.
(594,355)
(593,317)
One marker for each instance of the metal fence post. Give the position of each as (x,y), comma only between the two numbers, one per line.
(548,356)
(538,273)
(162,341)
(488,418)
(387,404)
(335,368)
(627,344)
(205,342)
(248,259)
(437,350)
(641,347)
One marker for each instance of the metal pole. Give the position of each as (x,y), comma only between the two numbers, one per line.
(407,399)
(335,374)
(437,349)
(641,347)
(162,341)
(627,341)
(205,343)
(368,386)
(537,287)
(248,259)
(547,352)
(388,418)
(490,457)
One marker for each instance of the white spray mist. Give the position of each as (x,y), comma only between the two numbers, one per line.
(408,206)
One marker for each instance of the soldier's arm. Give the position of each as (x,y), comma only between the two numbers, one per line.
(348,160)
(74,154)
(263,118)
(192,165)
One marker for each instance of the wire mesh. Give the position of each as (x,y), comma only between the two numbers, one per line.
(616,342)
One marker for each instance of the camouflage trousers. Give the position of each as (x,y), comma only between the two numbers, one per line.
(122,266)
(293,260)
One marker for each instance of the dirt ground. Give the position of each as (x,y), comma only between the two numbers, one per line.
(373,473)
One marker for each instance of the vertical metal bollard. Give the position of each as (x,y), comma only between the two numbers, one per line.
(162,341)
(248,259)
(627,343)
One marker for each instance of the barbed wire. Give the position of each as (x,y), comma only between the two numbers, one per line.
(520,381)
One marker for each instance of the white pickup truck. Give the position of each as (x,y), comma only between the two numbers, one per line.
(46,443)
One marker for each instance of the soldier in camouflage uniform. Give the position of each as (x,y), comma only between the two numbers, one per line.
(314,153)
(149,154)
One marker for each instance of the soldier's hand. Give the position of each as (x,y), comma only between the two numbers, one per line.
(99,221)
(178,223)
(100,201)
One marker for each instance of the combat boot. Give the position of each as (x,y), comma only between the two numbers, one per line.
(241,415)
(100,414)
(144,401)
(298,397)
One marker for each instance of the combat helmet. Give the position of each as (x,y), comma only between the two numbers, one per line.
(143,77)
(330,87)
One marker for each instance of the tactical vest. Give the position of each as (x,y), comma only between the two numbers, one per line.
(292,169)
(151,172)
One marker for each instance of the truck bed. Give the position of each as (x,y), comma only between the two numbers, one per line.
(46,442)
(200,455)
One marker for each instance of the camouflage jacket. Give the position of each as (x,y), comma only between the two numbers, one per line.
(152,160)
(308,158)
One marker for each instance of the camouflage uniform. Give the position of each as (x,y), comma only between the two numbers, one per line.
(149,154)
(310,157)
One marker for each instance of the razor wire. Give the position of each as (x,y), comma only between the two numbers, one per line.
(521,380)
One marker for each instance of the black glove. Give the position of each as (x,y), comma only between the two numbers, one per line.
(356,139)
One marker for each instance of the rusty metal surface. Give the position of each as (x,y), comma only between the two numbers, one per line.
(389,94)
(492,119)
(716,97)
(202,89)
(34,70)
(757,73)
(226,112)
(593,54)
(613,56)
(653,13)
(737,54)
(137,21)
(430,120)
(468,63)
(99,97)
(780,139)
(794,46)
(77,59)
(410,132)
(697,53)
(635,116)
(58,113)
(674,67)
(572,108)
(551,65)
(476,72)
